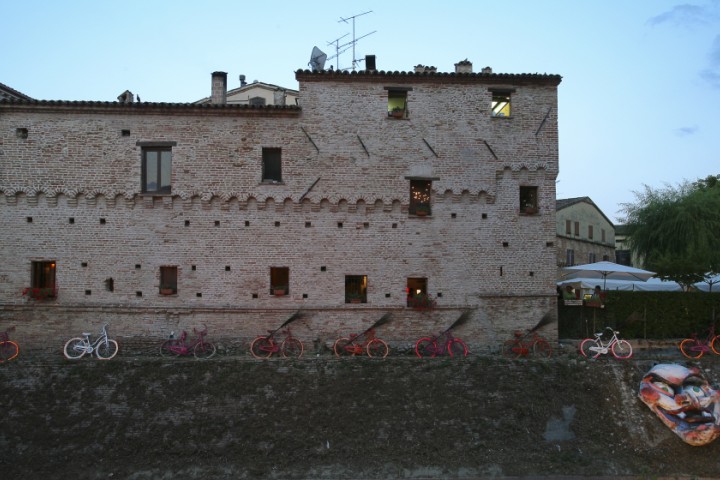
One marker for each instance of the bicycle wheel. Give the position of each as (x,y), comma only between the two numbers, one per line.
(343,347)
(715,345)
(377,348)
(106,350)
(8,350)
(457,348)
(512,349)
(291,347)
(167,348)
(262,347)
(621,349)
(74,348)
(204,350)
(426,348)
(542,348)
(689,348)
(586,345)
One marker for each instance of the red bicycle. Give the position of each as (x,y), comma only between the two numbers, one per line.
(265,345)
(524,343)
(352,345)
(8,348)
(199,347)
(695,348)
(434,346)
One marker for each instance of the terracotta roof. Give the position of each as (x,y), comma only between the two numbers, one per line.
(480,77)
(142,105)
(13,92)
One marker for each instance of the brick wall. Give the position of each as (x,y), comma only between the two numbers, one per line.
(70,193)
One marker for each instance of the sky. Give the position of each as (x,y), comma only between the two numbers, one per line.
(639,103)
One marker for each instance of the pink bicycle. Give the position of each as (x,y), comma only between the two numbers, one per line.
(199,347)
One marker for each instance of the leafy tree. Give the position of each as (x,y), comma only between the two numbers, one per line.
(676,230)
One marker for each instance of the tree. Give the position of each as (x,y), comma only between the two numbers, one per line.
(676,230)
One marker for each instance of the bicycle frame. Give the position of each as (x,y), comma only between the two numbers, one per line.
(90,347)
(184,348)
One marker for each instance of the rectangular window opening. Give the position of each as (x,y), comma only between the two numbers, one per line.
(416,287)
(500,104)
(42,281)
(528,200)
(279,281)
(272,165)
(168,280)
(420,197)
(397,103)
(355,288)
(590,232)
(570,258)
(568,227)
(156,170)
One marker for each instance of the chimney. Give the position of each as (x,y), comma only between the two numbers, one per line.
(463,66)
(218,91)
(370,62)
(420,68)
(487,70)
(242,81)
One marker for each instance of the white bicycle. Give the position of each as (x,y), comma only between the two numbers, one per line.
(594,347)
(104,347)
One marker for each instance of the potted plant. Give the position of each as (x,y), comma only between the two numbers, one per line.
(279,290)
(422,301)
(422,210)
(35,293)
(530,209)
(355,297)
(397,112)
(166,289)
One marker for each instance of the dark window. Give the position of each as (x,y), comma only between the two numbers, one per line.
(568,227)
(43,279)
(356,289)
(156,169)
(529,200)
(602,235)
(420,196)
(590,232)
(577,229)
(272,171)
(570,257)
(257,101)
(416,287)
(279,280)
(168,280)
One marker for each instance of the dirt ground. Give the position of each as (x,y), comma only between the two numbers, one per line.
(323,418)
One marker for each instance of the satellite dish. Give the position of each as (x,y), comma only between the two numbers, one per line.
(317,59)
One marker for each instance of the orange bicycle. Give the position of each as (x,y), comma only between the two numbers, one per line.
(526,343)
(8,348)
(352,345)
(696,347)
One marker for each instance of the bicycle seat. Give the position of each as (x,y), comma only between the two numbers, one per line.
(85,334)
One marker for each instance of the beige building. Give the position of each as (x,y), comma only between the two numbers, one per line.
(376,185)
(256,93)
(584,233)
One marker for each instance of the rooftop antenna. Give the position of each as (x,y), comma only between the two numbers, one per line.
(354,40)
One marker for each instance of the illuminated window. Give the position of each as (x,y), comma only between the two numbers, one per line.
(397,102)
(500,106)
(43,279)
(420,196)
(416,287)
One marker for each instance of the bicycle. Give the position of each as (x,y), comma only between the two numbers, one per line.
(104,347)
(265,345)
(695,348)
(351,346)
(199,347)
(8,348)
(433,346)
(523,344)
(594,347)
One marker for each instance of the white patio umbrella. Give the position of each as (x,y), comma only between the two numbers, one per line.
(606,271)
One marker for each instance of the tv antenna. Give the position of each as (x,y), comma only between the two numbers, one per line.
(354,40)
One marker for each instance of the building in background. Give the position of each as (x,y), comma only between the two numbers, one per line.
(584,233)
(7,93)
(372,188)
(257,94)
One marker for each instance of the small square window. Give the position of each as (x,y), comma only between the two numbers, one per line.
(125,133)
(21,133)
(168,280)
(272,165)
(356,289)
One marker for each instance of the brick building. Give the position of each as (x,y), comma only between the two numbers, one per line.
(584,233)
(159,217)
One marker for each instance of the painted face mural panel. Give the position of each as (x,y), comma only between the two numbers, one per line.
(683,399)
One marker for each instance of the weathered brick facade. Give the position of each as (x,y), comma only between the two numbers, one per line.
(70,193)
